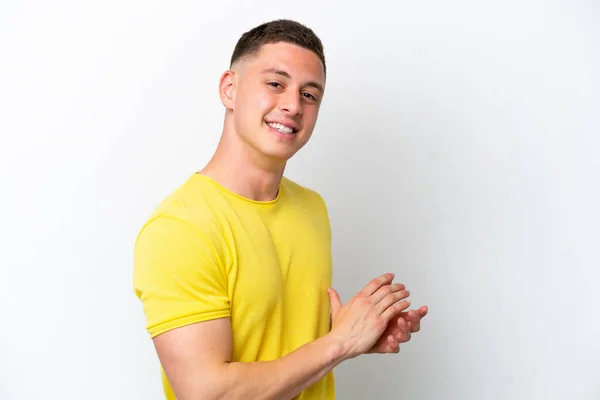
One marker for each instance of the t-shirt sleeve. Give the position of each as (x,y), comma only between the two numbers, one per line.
(179,276)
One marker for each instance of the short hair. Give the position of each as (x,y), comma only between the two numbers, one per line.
(281,30)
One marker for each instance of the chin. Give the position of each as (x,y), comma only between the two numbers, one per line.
(282,156)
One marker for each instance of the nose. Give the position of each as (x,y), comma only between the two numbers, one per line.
(290,103)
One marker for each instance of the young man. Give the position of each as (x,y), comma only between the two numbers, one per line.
(234,267)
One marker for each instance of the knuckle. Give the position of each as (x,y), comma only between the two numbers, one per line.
(374,284)
(365,301)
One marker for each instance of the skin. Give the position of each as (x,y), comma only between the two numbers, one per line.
(250,158)
(282,83)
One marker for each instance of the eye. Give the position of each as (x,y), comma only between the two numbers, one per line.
(309,96)
(276,85)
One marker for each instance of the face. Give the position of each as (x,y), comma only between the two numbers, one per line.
(274,99)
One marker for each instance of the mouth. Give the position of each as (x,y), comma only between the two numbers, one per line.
(289,130)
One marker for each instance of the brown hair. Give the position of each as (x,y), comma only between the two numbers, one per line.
(282,30)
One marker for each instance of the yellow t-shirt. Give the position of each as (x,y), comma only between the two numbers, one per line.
(208,253)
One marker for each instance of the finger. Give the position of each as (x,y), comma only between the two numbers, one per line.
(390,299)
(403,332)
(334,300)
(403,336)
(415,321)
(403,315)
(422,312)
(402,324)
(377,283)
(394,309)
(385,290)
(394,345)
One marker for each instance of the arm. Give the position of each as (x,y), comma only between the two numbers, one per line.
(197,358)
(197,362)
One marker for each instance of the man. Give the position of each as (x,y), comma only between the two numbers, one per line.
(234,267)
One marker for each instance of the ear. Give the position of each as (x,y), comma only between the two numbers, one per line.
(227,89)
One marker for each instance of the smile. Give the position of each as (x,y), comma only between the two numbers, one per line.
(281,128)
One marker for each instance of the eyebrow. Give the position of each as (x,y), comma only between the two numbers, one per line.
(286,75)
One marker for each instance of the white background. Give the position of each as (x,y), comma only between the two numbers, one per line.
(457,146)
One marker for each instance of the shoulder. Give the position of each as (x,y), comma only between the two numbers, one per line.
(191,207)
(298,189)
(182,234)
(293,184)
(194,197)
(305,195)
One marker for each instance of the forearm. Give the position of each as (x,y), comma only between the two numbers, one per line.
(283,378)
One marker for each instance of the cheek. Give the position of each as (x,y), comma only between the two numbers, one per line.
(310,116)
(265,101)
(256,105)
(250,99)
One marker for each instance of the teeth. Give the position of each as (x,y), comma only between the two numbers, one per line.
(280,128)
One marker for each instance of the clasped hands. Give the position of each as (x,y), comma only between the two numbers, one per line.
(375,320)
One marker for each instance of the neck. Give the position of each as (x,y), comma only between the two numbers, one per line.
(240,168)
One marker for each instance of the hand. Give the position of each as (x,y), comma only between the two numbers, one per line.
(399,331)
(413,318)
(357,325)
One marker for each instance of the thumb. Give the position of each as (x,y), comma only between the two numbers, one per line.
(334,300)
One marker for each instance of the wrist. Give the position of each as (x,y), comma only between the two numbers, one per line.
(334,348)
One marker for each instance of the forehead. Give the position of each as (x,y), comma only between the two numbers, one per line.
(298,62)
